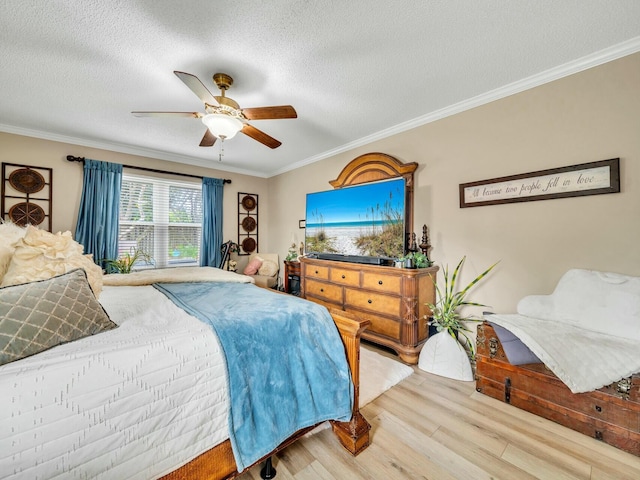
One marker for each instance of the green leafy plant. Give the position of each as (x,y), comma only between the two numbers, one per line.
(292,256)
(125,262)
(420,260)
(445,313)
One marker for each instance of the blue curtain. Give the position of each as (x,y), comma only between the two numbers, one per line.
(97,227)
(212,192)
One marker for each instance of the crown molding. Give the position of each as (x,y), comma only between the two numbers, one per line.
(589,61)
(128,149)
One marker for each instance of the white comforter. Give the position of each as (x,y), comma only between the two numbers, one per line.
(583,359)
(587,331)
(135,402)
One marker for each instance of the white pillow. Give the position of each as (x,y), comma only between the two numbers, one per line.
(41,255)
(268,268)
(10,234)
(599,301)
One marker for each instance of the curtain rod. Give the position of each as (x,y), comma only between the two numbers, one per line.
(71,158)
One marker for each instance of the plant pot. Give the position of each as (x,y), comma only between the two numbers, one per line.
(443,355)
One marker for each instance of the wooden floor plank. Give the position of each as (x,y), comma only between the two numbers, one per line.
(471,451)
(336,459)
(315,471)
(435,412)
(542,468)
(430,427)
(523,429)
(393,431)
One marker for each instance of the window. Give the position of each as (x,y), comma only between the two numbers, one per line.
(162,218)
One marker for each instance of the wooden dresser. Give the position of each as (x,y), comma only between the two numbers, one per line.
(393,299)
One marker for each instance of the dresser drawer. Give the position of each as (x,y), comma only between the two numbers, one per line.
(381,282)
(315,271)
(344,276)
(374,302)
(326,291)
(393,299)
(381,325)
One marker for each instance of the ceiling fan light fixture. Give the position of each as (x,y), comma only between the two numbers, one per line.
(221,125)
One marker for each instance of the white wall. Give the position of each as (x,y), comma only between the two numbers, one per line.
(590,116)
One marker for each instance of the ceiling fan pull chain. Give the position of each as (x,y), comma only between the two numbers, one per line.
(221,154)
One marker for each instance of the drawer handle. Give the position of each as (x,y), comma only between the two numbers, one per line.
(343,277)
(598,408)
(379,282)
(316,272)
(322,290)
(369,301)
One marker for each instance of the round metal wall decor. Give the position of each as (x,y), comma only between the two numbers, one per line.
(249,203)
(248,245)
(249,224)
(26,214)
(26,180)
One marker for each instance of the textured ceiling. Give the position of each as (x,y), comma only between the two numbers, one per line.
(355,71)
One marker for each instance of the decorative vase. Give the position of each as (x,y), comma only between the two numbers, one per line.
(443,355)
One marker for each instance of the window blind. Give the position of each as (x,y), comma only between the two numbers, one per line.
(162,218)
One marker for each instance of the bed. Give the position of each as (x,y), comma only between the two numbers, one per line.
(149,397)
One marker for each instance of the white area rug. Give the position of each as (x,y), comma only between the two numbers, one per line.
(378,374)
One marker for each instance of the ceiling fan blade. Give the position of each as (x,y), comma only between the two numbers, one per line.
(260,136)
(197,87)
(208,140)
(168,114)
(270,113)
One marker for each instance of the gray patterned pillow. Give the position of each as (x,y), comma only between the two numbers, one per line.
(39,315)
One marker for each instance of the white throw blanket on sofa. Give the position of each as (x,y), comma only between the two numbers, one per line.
(587,332)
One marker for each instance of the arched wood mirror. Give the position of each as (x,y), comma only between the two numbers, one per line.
(375,167)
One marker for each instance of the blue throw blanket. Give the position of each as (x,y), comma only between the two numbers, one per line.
(286,362)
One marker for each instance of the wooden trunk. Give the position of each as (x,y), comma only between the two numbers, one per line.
(393,299)
(610,414)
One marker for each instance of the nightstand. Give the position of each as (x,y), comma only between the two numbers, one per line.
(292,277)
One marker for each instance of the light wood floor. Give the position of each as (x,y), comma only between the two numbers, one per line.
(429,427)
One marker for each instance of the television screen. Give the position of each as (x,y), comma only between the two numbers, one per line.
(362,220)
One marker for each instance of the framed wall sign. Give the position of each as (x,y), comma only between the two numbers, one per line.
(592,178)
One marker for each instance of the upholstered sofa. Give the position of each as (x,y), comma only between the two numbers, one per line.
(265,265)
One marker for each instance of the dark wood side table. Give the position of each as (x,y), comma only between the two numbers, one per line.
(292,277)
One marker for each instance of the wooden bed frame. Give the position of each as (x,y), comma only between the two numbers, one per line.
(218,463)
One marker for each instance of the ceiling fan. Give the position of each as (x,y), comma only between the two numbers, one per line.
(223,116)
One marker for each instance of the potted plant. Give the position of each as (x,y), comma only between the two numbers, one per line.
(443,354)
(292,256)
(125,262)
(417,259)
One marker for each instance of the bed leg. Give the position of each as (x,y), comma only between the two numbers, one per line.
(354,434)
(268,471)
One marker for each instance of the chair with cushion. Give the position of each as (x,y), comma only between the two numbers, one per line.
(264,268)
